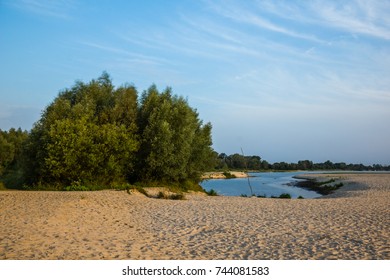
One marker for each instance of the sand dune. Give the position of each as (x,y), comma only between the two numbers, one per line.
(353,223)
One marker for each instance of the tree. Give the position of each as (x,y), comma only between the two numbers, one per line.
(87,135)
(11,156)
(7,152)
(305,165)
(175,145)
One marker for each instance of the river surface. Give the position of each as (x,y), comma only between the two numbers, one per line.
(262,183)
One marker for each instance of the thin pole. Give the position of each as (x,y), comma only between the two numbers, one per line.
(246,171)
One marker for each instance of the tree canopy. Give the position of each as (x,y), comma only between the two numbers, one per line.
(174,146)
(255,163)
(96,134)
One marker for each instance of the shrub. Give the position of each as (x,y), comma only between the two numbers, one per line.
(141,190)
(229,175)
(285,195)
(212,193)
(176,196)
(300,197)
(173,196)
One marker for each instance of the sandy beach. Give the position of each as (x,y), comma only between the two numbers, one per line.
(220,175)
(352,223)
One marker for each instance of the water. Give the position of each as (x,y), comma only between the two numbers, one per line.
(263,183)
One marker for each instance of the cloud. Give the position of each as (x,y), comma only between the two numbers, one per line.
(130,56)
(58,9)
(370,18)
(360,17)
(244,14)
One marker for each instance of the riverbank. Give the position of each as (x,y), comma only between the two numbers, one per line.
(323,185)
(352,223)
(224,175)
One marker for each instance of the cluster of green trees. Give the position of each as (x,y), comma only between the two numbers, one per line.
(94,134)
(240,162)
(11,152)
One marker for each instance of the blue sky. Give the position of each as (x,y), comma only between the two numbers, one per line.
(286,80)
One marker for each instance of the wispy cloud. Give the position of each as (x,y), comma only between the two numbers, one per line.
(58,9)
(129,55)
(360,17)
(370,18)
(241,13)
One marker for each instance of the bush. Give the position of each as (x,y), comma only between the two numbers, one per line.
(229,175)
(176,196)
(138,188)
(173,196)
(212,193)
(285,196)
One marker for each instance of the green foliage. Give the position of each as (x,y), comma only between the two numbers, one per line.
(140,189)
(285,195)
(172,196)
(328,189)
(239,162)
(11,157)
(95,136)
(229,175)
(320,187)
(212,193)
(87,135)
(177,196)
(175,146)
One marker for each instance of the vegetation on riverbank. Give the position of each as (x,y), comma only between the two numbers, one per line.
(324,188)
(257,164)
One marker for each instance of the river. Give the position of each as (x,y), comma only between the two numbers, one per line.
(262,183)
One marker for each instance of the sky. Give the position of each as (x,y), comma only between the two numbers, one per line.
(285,80)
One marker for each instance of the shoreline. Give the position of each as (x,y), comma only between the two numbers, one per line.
(221,175)
(323,186)
(350,224)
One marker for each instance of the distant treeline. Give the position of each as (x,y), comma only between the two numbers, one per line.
(96,136)
(240,162)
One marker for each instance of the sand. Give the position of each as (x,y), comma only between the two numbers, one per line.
(220,175)
(353,223)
